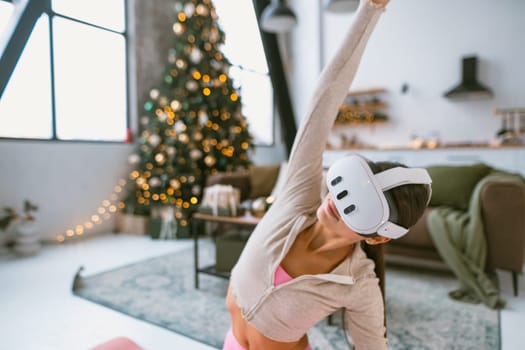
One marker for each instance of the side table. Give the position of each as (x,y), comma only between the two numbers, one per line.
(241,221)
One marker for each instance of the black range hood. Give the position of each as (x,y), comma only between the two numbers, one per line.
(469,87)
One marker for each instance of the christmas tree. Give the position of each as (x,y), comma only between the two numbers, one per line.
(193,124)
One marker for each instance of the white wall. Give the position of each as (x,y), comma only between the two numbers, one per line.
(67,180)
(421,43)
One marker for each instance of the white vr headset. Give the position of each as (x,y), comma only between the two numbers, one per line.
(359,197)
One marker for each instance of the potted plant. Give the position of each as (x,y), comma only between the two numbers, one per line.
(26,240)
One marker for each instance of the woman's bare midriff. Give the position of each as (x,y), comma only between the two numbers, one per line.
(250,338)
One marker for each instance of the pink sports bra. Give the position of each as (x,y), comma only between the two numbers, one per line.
(281,276)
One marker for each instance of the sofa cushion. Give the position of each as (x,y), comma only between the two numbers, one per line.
(452,185)
(262,179)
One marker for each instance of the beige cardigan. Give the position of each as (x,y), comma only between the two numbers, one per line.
(286,312)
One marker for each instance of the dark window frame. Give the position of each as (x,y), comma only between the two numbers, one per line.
(279,81)
(29,11)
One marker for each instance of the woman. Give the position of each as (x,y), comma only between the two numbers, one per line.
(304,260)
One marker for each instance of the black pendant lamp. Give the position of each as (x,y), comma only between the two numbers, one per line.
(340,6)
(277,17)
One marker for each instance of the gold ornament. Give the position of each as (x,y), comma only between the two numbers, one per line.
(202,10)
(154,140)
(180,63)
(178,28)
(184,138)
(162,117)
(171,151)
(196,74)
(192,85)
(181,16)
(203,117)
(196,190)
(176,105)
(154,182)
(195,55)
(195,154)
(210,161)
(133,159)
(180,126)
(258,207)
(154,94)
(175,184)
(163,101)
(160,158)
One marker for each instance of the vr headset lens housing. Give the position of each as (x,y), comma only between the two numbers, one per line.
(358,194)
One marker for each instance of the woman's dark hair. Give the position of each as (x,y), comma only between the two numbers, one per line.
(410,200)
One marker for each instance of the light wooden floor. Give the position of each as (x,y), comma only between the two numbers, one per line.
(38,311)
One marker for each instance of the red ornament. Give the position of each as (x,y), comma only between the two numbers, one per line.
(129,136)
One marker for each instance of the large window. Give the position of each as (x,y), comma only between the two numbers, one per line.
(70,82)
(6,9)
(243,47)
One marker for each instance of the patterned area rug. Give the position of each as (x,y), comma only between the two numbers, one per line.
(420,315)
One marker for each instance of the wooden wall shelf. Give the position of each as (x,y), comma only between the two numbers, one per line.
(370,91)
(362,107)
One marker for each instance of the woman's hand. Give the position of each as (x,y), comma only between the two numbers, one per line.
(380,2)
